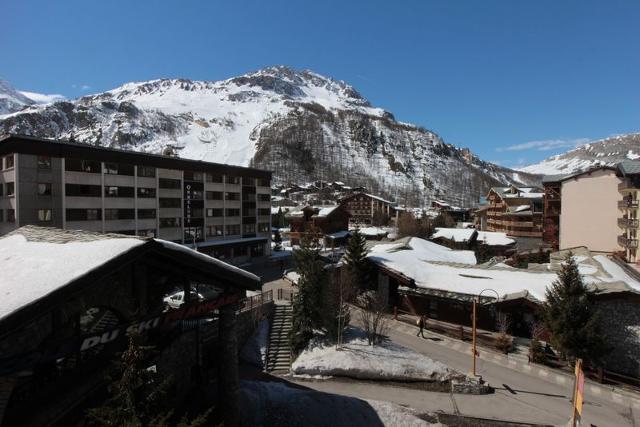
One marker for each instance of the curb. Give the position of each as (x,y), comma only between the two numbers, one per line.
(520,363)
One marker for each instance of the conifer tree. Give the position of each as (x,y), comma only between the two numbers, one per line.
(571,318)
(358,268)
(277,239)
(307,302)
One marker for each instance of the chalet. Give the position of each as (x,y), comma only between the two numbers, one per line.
(367,209)
(69,298)
(516,211)
(423,278)
(320,220)
(497,244)
(457,213)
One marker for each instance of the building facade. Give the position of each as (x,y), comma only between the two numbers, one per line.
(628,220)
(515,211)
(366,208)
(223,210)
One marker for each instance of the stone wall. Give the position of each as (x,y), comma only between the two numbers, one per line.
(620,322)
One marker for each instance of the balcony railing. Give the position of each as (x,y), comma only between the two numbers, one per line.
(628,204)
(628,184)
(627,222)
(627,243)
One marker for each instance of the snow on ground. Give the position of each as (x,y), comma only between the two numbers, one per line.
(276,403)
(255,350)
(357,359)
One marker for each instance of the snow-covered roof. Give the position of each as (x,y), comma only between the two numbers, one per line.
(458,235)
(36,261)
(338,235)
(275,210)
(324,211)
(375,231)
(494,238)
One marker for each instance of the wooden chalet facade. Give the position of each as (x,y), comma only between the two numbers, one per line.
(320,220)
(515,211)
(366,209)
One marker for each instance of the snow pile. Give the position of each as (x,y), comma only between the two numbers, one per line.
(255,350)
(274,403)
(357,359)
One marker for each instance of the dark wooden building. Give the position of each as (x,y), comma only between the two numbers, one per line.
(320,220)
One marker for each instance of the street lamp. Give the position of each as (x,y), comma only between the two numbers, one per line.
(474,352)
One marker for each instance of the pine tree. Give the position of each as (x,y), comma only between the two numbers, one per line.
(571,318)
(359,271)
(307,302)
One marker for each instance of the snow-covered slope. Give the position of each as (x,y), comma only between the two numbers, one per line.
(12,100)
(299,124)
(607,151)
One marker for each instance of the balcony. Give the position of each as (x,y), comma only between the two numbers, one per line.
(627,243)
(627,223)
(628,204)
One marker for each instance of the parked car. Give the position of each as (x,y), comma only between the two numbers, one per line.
(175,300)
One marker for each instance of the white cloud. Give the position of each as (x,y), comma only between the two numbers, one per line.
(41,98)
(545,145)
(81,86)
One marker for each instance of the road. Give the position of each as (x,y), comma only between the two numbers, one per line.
(520,396)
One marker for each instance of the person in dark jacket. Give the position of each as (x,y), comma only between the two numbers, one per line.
(421,326)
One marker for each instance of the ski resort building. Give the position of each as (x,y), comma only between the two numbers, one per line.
(571,219)
(366,208)
(71,298)
(516,211)
(224,210)
(320,220)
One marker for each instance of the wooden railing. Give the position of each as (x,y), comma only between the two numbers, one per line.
(254,301)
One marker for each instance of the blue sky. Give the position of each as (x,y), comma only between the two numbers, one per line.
(515,81)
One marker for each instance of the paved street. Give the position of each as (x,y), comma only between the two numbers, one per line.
(520,395)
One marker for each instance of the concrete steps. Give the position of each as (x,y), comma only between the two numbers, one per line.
(279,351)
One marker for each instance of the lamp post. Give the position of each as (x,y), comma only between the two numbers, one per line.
(474,352)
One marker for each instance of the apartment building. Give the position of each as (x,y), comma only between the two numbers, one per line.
(223,210)
(366,208)
(628,220)
(516,211)
(581,209)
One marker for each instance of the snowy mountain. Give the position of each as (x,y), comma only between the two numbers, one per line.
(609,151)
(12,100)
(299,124)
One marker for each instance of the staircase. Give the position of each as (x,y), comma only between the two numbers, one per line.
(279,351)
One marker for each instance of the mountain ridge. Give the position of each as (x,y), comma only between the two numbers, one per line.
(300,124)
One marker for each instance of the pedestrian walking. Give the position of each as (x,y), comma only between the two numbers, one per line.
(421,326)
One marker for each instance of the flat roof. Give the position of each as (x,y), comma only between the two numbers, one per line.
(59,148)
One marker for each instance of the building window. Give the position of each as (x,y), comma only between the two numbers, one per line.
(8,162)
(113,214)
(248,228)
(112,191)
(118,169)
(232,179)
(232,196)
(232,229)
(146,213)
(170,203)
(11,189)
(11,215)
(81,190)
(257,250)
(197,212)
(233,212)
(212,177)
(264,212)
(83,214)
(264,197)
(170,222)
(44,162)
(44,215)
(146,172)
(214,212)
(44,189)
(214,231)
(192,233)
(214,195)
(146,193)
(249,181)
(193,176)
(170,183)
(264,227)
(1,189)
(1,215)
(196,195)
(77,165)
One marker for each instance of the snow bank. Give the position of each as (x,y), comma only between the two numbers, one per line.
(275,403)
(357,359)
(255,350)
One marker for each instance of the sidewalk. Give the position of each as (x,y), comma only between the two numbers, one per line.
(519,361)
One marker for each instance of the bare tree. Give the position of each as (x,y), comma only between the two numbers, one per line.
(373,316)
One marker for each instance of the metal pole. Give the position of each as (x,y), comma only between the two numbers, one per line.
(474,337)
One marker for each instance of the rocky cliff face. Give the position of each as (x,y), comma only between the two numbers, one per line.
(300,124)
(609,151)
